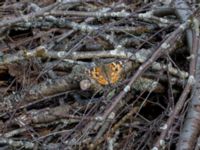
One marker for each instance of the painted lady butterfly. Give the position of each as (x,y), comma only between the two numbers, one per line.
(107,74)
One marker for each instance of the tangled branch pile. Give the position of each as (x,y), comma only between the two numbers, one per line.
(91,74)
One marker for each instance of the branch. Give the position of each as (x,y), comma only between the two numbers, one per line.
(166,45)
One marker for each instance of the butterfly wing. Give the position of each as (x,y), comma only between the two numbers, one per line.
(116,69)
(98,75)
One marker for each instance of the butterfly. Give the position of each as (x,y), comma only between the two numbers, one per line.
(107,73)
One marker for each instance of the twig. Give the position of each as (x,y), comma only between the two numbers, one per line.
(166,45)
(191,130)
(160,142)
(6,22)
